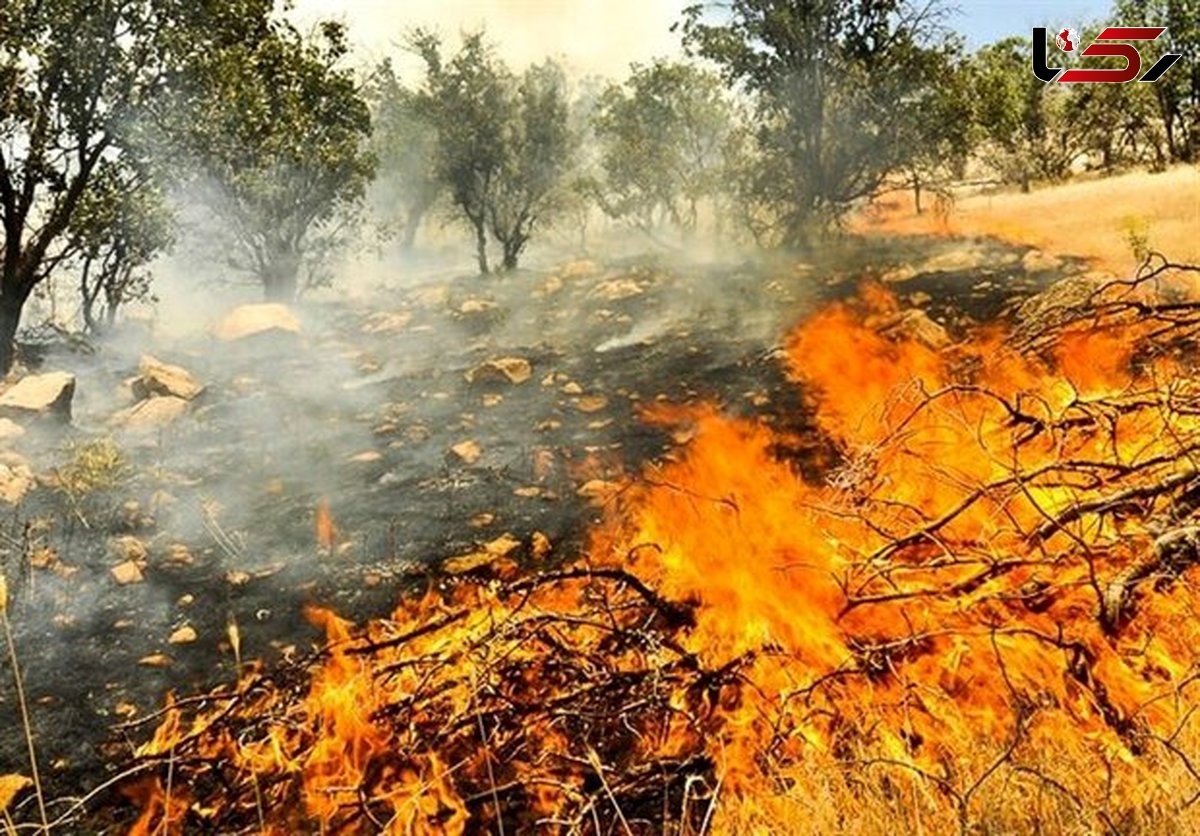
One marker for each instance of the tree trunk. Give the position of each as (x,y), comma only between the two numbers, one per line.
(280,279)
(10,320)
(916,184)
(481,248)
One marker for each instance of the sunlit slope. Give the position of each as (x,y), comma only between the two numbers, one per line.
(1093,219)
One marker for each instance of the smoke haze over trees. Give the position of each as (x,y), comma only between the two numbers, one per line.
(786,117)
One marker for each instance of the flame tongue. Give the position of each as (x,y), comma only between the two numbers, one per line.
(954,601)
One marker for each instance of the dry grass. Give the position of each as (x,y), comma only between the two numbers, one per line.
(1095,219)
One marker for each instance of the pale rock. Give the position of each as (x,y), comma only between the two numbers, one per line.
(467,451)
(152,414)
(16,478)
(615,290)
(127,573)
(158,378)
(513,370)
(40,394)
(915,325)
(10,430)
(253,320)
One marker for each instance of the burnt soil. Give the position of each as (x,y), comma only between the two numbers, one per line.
(360,412)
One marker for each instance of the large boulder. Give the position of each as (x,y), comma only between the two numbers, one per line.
(246,321)
(39,394)
(157,378)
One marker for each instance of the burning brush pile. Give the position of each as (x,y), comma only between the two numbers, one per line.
(984,619)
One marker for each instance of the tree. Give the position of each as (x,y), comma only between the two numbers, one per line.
(1178,92)
(537,154)
(73,74)
(404,142)
(942,130)
(503,145)
(1026,124)
(274,134)
(122,222)
(834,86)
(663,134)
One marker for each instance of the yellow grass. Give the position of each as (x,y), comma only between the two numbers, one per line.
(1094,219)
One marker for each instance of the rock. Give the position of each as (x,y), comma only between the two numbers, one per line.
(503,545)
(513,370)
(1037,261)
(614,290)
(579,269)
(10,430)
(539,545)
(572,388)
(16,478)
(128,549)
(591,403)
(915,325)
(897,274)
(152,414)
(468,451)
(253,320)
(158,378)
(40,394)
(387,323)
(476,307)
(127,573)
(184,635)
(598,491)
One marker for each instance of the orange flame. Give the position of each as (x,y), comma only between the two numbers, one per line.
(929,616)
(326,531)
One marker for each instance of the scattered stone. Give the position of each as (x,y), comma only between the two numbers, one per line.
(514,370)
(919,299)
(482,520)
(10,430)
(40,394)
(491,400)
(474,307)
(591,403)
(366,457)
(615,290)
(158,378)
(178,554)
(572,388)
(16,478)
(528,492)
(539,545)
(185,600)
(548,380)
(598,491)
(253,320)
(1037,261)
(900,273)
(156,660)
(184,635)
(915,325)
(151,414)
(383,322)
(128,549)
(579,269)
(127,573)
(468,451)
(503,545)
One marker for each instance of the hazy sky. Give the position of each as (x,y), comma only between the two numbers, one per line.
(604,36)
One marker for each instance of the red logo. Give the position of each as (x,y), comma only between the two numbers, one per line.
(1067,40)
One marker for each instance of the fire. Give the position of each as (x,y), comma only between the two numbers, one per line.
(326,531)
(983,616)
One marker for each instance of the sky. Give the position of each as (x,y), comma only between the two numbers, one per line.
(605,36)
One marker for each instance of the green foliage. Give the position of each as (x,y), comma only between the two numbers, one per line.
(1028,127)
(1177,94)
(663,134)
(122,222)
(274,134)
(837,88)
(503,144)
